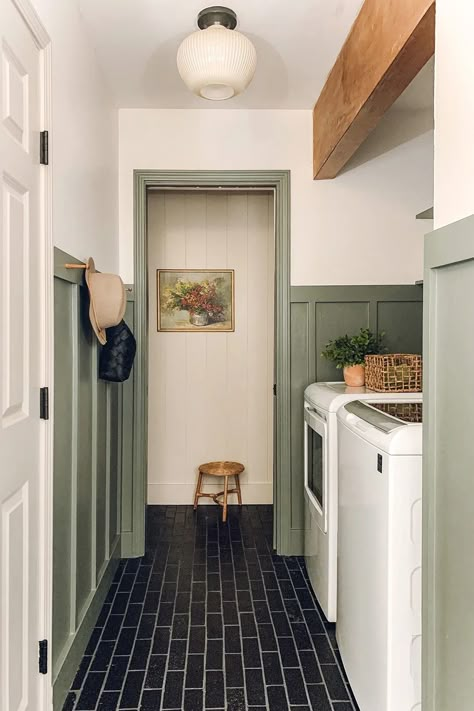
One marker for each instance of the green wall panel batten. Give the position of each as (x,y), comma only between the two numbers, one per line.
(133,492)
(87,478)
(321,313)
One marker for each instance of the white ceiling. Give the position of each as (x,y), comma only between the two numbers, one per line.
(297,43)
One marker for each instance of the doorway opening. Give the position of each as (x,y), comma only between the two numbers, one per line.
(210,373)
(175,370)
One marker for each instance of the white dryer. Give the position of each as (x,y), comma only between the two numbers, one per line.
(379,553)
(321,403)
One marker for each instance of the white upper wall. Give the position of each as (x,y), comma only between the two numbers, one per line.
(454,111)
(83,139)
(357,229)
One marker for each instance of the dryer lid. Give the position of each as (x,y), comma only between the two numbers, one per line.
(387,416)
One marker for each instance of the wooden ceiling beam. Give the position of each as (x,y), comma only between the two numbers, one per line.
(390,41)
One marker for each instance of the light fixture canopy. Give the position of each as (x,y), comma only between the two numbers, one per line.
(217,62)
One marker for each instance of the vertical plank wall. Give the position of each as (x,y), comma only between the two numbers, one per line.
(320,314)
(210,394)
(87,478)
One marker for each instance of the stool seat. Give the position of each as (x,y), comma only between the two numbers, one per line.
(225,469)
(222,468)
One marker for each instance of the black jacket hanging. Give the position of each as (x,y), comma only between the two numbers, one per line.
(118,354)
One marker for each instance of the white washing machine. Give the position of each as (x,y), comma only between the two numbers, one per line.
(379,553)
(321,403)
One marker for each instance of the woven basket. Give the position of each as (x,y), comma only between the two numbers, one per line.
(394,373)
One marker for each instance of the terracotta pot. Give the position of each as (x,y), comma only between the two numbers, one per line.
(354,375)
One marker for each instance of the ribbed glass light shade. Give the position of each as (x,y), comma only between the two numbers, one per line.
(216,63)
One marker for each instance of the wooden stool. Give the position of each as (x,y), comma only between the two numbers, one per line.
(225,469)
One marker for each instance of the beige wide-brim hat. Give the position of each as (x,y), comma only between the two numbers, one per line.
(107,300)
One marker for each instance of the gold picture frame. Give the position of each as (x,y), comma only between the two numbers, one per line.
(195,300)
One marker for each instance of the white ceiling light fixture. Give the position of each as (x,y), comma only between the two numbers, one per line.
(216,62)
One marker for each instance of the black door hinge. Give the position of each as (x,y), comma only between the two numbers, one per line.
(274,389)
(44,403)
(44,148)
(43,656)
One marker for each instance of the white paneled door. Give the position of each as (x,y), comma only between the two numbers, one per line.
(21,352)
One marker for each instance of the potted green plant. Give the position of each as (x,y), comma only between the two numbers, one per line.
(348,353)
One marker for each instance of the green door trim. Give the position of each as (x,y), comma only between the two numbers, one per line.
(279,182)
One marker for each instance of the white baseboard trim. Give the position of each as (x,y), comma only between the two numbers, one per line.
(260,492)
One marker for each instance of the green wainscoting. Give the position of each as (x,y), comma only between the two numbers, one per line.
(321,313)
(88,453)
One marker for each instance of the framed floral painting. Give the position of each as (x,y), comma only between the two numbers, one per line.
(195,300)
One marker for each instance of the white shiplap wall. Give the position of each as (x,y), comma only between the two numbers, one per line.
(210,394)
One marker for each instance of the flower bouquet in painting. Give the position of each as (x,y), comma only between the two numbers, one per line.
(200,300)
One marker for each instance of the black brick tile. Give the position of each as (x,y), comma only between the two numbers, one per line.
(214,626)
(267,638)
(197,640)
(173,692)
(289,658)
(194,671)
(112,628)
(151,700)
(295,686)
(232,639)
(116,675)
(102,657)
(214,654)
(277,698)
(109,701)
(165,614)
(180,627)
(177,654)
(90,691)
(236,700)
(272,668)
(254,686)
(156,671)
(132,690)
(251,651)
(198,613)
(193,700)
(214,691)
(120,603)
(133,615)
(247,623)
(146,627)
(231,615)
(334,682)
(310,667)
(323,649)
(125,641)
(234,676)
(281,624)
(318,697)
(301,636)
(140,655)
(161,640)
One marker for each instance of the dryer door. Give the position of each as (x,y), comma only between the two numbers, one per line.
(315,464)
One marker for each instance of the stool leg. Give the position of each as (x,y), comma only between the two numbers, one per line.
(198,491)
(224,511)
(237,486)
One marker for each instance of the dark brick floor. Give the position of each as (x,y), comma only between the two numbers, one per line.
(210,618)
